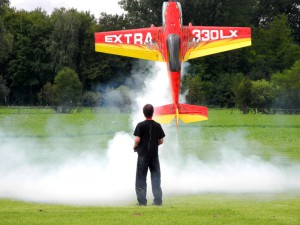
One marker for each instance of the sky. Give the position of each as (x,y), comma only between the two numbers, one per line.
(94,6)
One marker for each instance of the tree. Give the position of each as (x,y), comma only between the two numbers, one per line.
(193,85)
(64,39)
(142,13)
(274,48)
(222,93)
(4,91)
(287,86)
(6,39)
(108,22)
(47,96)
(294,20)
(28,65)
(106,68)
(91,99)
(218,13)
(267,10)
(243,95)
(263,95)
(68,90)
(3,5)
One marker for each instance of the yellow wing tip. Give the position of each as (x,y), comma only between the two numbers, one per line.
(134,51)
(205,49)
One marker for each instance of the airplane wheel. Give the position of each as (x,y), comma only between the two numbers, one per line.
(173,44)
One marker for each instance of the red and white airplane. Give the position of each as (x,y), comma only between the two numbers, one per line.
(173,43)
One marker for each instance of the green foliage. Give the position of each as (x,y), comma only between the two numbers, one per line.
(92,99)
(68,90)
(28,66)
(287,86)
(64,39)
(3,6)
(222,94)
(194,87)
(263,95)
(218,13)
(242,92)
(108,22)
(274,48)
(47,96)
(4,91)
(266,11)
(142,13)
(6,39)
(64,94)
(259,95)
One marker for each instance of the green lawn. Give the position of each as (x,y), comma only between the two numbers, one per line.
(265,136)
(201,209)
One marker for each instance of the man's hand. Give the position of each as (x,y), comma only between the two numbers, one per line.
(136,142)
(160,141)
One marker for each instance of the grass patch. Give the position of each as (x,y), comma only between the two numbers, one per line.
(263,135)
(202,209)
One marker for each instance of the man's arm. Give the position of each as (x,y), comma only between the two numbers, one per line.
(160,141)
(136,142)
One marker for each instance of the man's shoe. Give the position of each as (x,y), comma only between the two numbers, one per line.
(140,204)
(157,204)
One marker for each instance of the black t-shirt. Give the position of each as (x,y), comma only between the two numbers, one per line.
(150,132)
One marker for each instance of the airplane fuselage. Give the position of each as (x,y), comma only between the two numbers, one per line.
(172,30)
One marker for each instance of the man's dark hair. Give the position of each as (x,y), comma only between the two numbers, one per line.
(148,110)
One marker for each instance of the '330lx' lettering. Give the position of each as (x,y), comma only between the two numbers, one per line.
(211,35)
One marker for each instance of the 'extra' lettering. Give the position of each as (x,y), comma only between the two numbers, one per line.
(129,38)
(211,35)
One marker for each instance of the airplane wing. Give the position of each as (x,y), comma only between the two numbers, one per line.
(137,43)
(203,40)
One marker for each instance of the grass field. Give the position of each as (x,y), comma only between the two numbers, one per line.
(266,136)
(204,209)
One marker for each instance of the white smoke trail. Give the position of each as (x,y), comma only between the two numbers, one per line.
(156,91)
(87,178)
(106,177)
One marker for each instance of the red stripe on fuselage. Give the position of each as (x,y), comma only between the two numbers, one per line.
(173,26)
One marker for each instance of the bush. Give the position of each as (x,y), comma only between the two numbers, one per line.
(65,93)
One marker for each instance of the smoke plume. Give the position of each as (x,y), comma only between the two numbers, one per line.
(52,173)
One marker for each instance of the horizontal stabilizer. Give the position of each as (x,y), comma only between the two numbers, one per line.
(186,113)
(165,114)
(192,113)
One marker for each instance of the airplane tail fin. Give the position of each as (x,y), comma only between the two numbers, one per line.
(186,113)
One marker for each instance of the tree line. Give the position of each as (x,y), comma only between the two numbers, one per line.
(50,59)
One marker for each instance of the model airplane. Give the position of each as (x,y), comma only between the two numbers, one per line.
(173,43)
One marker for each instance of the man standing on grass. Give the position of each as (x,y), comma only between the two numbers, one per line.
(148,136)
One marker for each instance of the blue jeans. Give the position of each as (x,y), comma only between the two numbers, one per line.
(141,180)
